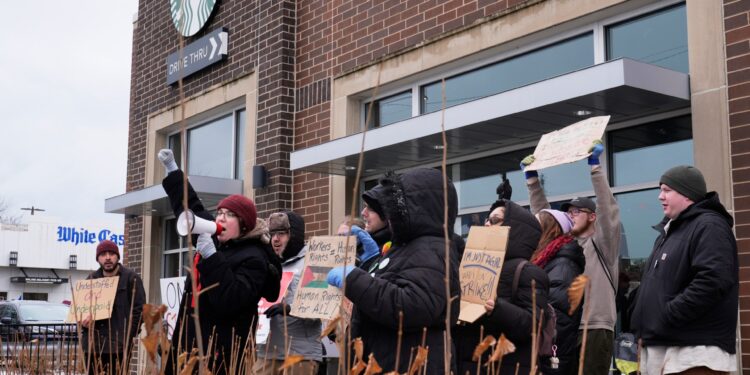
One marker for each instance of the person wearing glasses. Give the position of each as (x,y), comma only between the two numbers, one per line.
(596,226)
(233,269)
(289,335)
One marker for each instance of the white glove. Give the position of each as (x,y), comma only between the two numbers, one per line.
(166,157)
(205,246)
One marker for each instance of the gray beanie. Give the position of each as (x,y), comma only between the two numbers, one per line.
(686,180)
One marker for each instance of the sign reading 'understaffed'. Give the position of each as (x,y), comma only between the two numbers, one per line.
(314,298)
(198,55)
(93,298)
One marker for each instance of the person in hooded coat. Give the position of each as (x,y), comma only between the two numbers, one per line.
(241,265)
(287,231)
(510,315)
(375,225)
(561,257)
(410,277)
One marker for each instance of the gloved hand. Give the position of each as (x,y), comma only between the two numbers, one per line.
(369,246)
(166,157)
(205,245)
(278,309)
(596,149)
(525,163)
(336,275)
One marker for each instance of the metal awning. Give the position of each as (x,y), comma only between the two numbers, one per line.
(624,89)
(153,200)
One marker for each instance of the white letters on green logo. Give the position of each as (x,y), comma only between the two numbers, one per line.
(189,16)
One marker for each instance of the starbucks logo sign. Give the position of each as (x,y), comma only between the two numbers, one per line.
(189,16)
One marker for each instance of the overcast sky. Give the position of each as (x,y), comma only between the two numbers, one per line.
(65,78)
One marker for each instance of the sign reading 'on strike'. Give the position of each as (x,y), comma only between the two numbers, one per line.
(93,298)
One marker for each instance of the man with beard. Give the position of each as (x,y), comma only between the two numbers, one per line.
(112,338)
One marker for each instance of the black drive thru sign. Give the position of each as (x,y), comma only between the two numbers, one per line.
(205,51)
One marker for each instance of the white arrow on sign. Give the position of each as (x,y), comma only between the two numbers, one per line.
(213,48)
(222,50)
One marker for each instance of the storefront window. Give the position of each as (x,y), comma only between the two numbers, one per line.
(639,211)
(642,153)
(478,179)
(658,38)
(389,110)
(239,172)
(535,66)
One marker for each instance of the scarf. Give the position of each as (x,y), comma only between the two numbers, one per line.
(550,251)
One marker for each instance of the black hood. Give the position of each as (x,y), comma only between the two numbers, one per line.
(524,231)
(710,204)
(413,204)
(374,199)
(296,236)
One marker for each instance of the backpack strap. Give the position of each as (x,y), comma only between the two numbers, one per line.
(516,279)
(600,256)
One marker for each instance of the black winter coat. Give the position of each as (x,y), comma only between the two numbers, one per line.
(245,270)
(109,334)
(689,290)
(512,317)
(568,263)
(410,278)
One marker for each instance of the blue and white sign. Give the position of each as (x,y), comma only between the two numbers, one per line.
(77,236)
(206,51)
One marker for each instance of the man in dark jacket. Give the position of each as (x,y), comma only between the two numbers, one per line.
(410,277)
(511,313)
(113,337)
(239,267)
(686,308)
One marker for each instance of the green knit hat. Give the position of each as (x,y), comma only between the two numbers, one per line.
(686,180)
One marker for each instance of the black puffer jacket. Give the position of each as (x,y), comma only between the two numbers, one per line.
(411,275)
(109,333)
(567,264)
(512,317)
(689,290)
(245,270)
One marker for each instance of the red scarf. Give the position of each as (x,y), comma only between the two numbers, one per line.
(550,251)
(197,277)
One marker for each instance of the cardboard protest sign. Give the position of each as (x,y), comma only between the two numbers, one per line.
(172,290)
(314,298)
(480,268)
(261,333)
(93,298)
(569,144)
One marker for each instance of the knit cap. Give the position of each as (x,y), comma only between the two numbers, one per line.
(107,246)
(686,180)
(243,207)
(566,224)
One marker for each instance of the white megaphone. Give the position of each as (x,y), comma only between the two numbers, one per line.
(197,225)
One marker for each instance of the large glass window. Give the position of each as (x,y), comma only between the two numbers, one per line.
(639,211)
(215,148)
(640,154)
(538,65)
(478,179)
(389,110)
(658,38)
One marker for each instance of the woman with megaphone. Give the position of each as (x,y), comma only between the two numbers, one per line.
(234,259)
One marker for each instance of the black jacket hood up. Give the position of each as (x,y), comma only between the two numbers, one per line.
(296,235)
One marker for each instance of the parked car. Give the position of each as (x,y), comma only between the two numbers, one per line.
(29,320)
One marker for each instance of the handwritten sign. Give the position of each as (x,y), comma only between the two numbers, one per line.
(480,268)
(314,298)
(569,144)
(172,289)
(93,298)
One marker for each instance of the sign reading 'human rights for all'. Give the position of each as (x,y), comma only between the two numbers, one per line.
(93,298)
(569,144)
(314,298)
(480,268)
(198,55)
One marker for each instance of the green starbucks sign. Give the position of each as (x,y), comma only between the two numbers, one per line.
(189,16)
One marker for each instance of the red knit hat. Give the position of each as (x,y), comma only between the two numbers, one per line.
(243,207)
(105,246)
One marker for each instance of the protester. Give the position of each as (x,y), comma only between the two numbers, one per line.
(236,268)
(497,210)
(561,257)
(375,225)
(113,337)
(686,307)
(289,335)
(511,313)
(596,226)
(410,277)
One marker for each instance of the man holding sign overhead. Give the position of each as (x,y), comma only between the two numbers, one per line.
(111,339)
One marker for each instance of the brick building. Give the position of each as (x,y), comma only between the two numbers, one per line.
(292,92)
